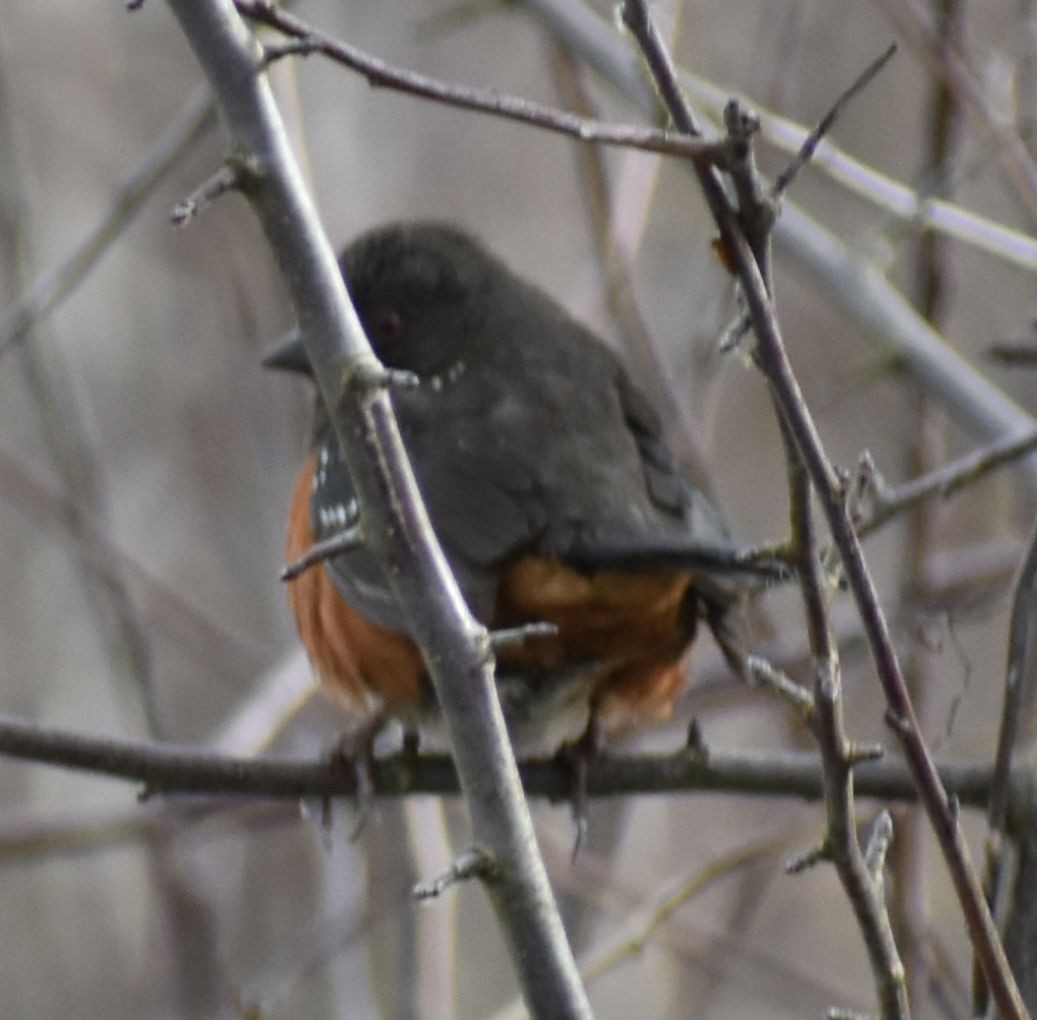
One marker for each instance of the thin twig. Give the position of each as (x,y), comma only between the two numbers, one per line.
(644,923)
(944,481)
(841,844)
(53,287)
(515,637)
(381,74)
(811,142)
(799,697)
(901,713)
(819,854)
(617,897)
(910,205)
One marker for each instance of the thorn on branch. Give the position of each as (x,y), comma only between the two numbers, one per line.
(695,742)
(342,541)
(514,637)
(763,672)
(227,178)
(897,723)
(828,686)
(820,854)
(858,754)
(304,47)
(842,483)
(367,374)
(811,142)
(877,846)
(475,862)
(861,486)
(734,332)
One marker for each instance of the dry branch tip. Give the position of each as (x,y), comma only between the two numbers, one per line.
(768,675)
(228,178)
(342,541)
(877,845)
(475,862)
(811,142)
(514,637)
(820,854)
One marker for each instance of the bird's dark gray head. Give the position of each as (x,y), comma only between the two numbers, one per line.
(421,290)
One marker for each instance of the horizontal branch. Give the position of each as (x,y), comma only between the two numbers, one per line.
(172,768)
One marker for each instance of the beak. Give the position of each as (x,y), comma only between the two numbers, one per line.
(288,356)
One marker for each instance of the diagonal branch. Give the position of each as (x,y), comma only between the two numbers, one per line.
(52,288)
(749,258)
(396,527)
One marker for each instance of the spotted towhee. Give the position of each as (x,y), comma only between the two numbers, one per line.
(550,486)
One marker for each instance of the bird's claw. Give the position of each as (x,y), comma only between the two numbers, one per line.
(576,757)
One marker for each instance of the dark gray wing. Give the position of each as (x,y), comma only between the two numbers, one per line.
(480,510)
(483,503)
(685,531)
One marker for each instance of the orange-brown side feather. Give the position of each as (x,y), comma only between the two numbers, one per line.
(634,629)
(374,671)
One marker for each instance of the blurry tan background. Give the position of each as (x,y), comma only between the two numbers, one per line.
(146,463)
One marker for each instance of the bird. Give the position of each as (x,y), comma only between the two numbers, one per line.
(550,486)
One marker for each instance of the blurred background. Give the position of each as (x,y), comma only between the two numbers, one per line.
(146,463)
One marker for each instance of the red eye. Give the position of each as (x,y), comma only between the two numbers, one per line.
(386,326)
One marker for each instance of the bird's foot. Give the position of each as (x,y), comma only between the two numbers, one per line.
(355,752)
(576,757)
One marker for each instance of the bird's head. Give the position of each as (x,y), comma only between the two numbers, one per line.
(421,290)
